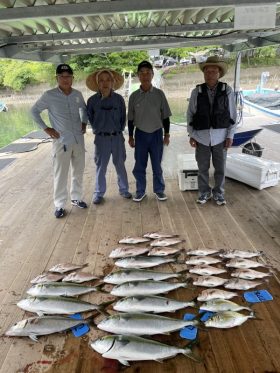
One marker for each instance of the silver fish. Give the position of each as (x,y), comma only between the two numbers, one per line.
(57,305)
(166,242)
(158,235)
(148,287)
(124,252)
(198,260)
(42,325)
(46,277)
(209,294)
(218,305)
(243,263)
(209,281)
(227,319)
(202,251)
(239,284)
(142,324)
(66,267)
(79,277)
(132,348)
(152,304)
(126,275)
(133,240)
(206,270)
(164,251)
(231,254)
(143,261)
(54,289)
(249,274)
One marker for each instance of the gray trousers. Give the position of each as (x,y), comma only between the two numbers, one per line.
(203,155)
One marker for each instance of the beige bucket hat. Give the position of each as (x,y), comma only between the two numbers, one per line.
(91,81)
(215,61)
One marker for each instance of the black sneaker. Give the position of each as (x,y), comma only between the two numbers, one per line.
(220,200)
(139,196)
(161,196)
(97,200)
(59,213)
(126,195)
(204,197)
(80,204)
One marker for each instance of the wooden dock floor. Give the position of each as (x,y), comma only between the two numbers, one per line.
(32,240)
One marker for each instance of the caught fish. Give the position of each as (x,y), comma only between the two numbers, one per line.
(219,305)
(202,251)
(142,324)
(124,252)
(209,281)
(231,254)
(55,289)
(47,277)
(249,274)
(164,251)
(227,319)
(206,270)
(158,235)
(58,305)
(210,294)
(239,284)
(42,325)
(126,275)
(243,263)
(79,277)
(199,260)
(148,287)
(133,240)
(166,242)
(150,304)
(143,261)
(125,348)
(66,267)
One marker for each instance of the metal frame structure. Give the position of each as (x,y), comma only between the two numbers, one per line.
(54,30)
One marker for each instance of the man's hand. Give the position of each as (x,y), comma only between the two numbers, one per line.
(193,142)
(131,142)
(228,143)
(52,133)
(166,139)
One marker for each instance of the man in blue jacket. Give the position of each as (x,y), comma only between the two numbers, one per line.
(107,116)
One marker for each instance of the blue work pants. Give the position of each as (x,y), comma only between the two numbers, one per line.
(148,144)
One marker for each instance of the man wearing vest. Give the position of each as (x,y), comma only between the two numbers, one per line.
(211,117)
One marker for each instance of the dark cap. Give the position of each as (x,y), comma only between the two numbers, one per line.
(64,68)
(145,64)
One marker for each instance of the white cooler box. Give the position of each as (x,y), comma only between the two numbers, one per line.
(187,172)
(256,172)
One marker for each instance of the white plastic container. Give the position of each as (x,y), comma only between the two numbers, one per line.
(187,172)
(256,172)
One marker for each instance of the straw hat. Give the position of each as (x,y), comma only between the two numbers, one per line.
(215,61)
(92,84)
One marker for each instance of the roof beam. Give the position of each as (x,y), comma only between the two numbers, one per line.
(111,7)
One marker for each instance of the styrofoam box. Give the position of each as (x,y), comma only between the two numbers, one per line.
(187,172)
(256,172)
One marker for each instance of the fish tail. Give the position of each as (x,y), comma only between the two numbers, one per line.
(188,353)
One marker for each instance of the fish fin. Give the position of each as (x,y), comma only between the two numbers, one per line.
(33,337)
(124,362)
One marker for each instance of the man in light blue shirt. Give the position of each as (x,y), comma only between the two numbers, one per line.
(68,118)
(211,117)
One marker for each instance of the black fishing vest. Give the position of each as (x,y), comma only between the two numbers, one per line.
(220,116)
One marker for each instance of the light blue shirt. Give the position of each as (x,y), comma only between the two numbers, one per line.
(211,136)
(66,114)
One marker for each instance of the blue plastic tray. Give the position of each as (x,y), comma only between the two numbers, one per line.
(81,329)
(189,332)
(257,296)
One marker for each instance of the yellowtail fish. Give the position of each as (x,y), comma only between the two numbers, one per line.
(125,348)
(126,275)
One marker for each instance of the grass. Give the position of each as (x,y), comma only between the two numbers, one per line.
(14,124)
